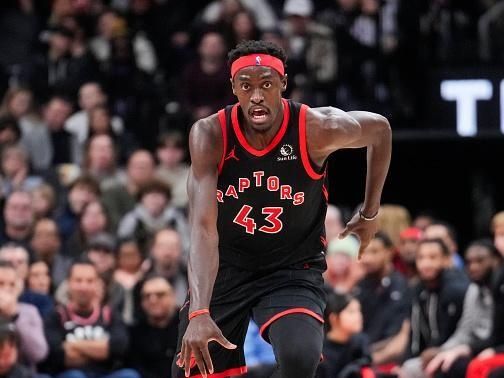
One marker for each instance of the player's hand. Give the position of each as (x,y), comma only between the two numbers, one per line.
(363,229)
(487,353)
(200,331)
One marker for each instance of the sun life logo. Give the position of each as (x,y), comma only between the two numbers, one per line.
(258,60)
(287,153)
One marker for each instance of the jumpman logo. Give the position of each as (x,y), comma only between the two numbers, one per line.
(232,155)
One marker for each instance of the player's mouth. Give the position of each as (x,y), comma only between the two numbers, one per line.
(258,114)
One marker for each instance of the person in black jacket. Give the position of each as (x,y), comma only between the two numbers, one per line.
(85,339)
(437,305)
(154,337)
(346,349)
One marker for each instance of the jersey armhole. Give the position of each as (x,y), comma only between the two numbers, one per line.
(222,122)
(303,145)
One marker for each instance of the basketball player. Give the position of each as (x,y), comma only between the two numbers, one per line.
(258,201)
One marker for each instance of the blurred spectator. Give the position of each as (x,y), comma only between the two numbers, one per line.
(423,220)
(408,245)
(243,27)
(120,199)
(211,72)
(39,279)
(18,257)
(112,27)
(48,143)
(129,263)
(93,220)
(172,169)
(446,233)
(497,229)
(154,337)
(489,27)
(393,219)
(10,133)
(81,192)
(47,247)
(57,71)
(343,271)
(85,338)
(18,217)
(165,259)
(333,222)
(44,201)
(19,104)
(9,352)
(346,349)
(15,171)
(312,51)
(153,213)
(100,161)
(475,325)
(223,11)
(32,343)
(437,305)
(383,294)
(91,94)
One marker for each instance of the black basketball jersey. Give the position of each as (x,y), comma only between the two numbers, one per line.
(271,202)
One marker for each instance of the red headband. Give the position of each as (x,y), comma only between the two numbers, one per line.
(257,60)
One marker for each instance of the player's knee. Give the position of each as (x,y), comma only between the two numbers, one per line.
(299,359)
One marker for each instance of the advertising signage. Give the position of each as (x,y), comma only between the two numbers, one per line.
(470,104)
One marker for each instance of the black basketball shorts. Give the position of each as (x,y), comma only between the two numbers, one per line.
(239,295)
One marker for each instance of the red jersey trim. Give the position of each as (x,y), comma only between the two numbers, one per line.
(222,122)
(303,146)
(296,310)
(224,374)
(274,142)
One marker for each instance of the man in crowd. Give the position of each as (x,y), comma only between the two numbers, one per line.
(383,294)
(437,305)
(154,337)
(85,338)
(475,325)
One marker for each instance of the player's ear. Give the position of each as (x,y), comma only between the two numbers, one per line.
(232,86)
(284,82)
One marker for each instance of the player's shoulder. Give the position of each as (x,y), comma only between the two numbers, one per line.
(207,128)
(205,138)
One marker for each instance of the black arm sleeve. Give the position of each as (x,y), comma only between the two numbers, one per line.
(119,338)
(55,335)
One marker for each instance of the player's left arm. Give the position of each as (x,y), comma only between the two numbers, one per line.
(330,129)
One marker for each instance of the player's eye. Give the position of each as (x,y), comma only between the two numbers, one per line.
(245,86)
(267,85)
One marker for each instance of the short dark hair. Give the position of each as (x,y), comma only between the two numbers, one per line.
(155,186)
(171,139)
(384,238)
(336,303)
(7,265)
(484,243)
(438,241)
(88,182)
(82,260)
(257,47)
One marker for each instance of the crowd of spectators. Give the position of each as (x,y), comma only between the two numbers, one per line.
(97,98)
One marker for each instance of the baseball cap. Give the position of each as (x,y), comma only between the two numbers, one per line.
(302,8)
(103,242)
(411,233)
(349,246)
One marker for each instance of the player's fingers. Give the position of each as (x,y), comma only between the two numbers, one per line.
(224,342)
(447,363)
(432,366)
(208,359)
(187,360)
(199,362)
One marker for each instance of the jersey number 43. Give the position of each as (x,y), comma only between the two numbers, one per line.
(272,217)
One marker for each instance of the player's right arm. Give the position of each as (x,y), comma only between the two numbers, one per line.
(206,146)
